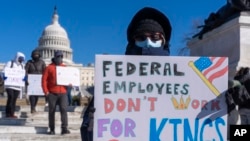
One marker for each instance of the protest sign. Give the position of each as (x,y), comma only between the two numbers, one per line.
(67,75)
(156,98)
(14,76)
(35,85)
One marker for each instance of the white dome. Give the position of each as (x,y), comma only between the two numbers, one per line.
(54,37)
(55,29)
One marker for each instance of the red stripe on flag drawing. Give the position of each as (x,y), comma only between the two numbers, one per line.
(217,69)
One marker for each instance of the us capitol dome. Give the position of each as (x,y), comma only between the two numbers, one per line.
(53,38)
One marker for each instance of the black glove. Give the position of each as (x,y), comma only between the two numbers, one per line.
(26,83)
(229,100)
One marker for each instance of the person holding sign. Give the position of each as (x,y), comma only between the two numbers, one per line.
(56,94)
(147,34)
(34,66)
(1,86)
(14,77)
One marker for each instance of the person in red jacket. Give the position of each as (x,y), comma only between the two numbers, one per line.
(56,94)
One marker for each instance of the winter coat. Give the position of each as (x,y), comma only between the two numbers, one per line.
(49,81)
(15,64)
(88,113)
(1,85)
(35,67)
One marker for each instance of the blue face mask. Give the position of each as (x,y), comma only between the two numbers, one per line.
(20,59)
(58,60)
(135,50)
(148,43)
(159,51)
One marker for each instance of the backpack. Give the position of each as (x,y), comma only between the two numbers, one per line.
(12,62)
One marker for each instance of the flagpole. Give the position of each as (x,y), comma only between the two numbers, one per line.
(204,79)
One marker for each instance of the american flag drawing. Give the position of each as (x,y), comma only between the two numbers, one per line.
(210,68)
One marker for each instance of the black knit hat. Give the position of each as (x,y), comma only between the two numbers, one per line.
(148,25)
(149,19)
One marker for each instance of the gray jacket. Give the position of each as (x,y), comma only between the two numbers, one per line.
(35,67)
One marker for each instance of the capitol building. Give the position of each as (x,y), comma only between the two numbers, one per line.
(53,38)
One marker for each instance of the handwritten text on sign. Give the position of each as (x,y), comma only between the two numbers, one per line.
(153,98)
(68,75)
(14,76)
(35,84)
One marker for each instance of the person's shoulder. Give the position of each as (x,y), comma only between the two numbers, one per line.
(8,64)
(29,61)
(50,65)
(63,65)
(41,60)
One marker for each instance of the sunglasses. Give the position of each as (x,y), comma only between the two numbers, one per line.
(152,37)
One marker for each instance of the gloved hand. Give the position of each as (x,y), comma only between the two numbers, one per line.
(4,77)
(230,101)
(26,83)
(25,79)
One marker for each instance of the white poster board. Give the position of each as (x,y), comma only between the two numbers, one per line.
(153,98)
(67,75)
(35,85)
(14,76)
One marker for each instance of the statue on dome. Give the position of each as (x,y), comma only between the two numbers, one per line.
(227,12)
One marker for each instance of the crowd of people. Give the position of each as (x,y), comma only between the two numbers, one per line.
(54,94)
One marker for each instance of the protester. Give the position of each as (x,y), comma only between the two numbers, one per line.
(34,66)
(13,91)
(147,34)
(238,99)
(69,89)
(243,97)
(233,114)
(76,96)
(1,86)
(88,118)
(56,94)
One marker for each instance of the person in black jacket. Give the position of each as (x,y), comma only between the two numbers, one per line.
(234,87)
(34,66)
(88,118)
(243,97)
(1,86)
(147,34)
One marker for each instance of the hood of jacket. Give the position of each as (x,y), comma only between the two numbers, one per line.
(18,54)
(152,14)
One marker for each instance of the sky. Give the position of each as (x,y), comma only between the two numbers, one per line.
(96,26)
